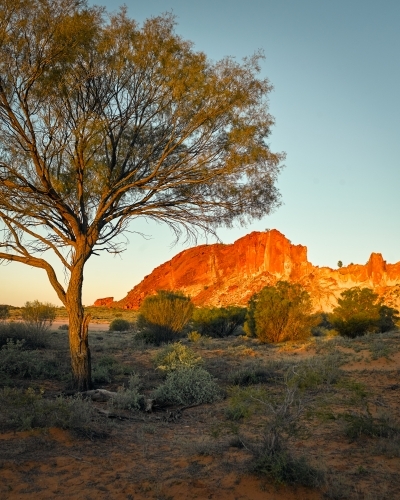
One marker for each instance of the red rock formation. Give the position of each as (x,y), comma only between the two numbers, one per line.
(220,275)
(107,301)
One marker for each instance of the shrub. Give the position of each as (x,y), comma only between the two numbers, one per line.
(360,311)
(250,373)
(119,325)
(194,336)
(16,362)
(279,313)
(189,386)
(33,339)
(218,322)
(24,410)
(163,316)
(38,315)
(106,368)
(130,398)
(175,357)
(4,312)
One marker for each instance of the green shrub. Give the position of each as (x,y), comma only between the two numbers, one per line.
(190,386)
(25,410)
(119,325)
(364,424)
(130,398)
(283,468)
(250,373)
(314,372)
(360,311)
(17,362)
(106,369)
(4,312)
(38,315)
(175,357)
(33,339)
(218,322)
(163,316)
(279,313)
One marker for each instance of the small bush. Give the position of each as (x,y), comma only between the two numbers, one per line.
(17,362)
(250,374)
(119,325)
(194,336)
(18,332)
(25,410)
(279,313)
(218,322)
(315,372)
(175,357)
(130,398)
(162,317)
(283,468)
(364,424)
(64,327)
(190,386)
(38,315)
(106,369)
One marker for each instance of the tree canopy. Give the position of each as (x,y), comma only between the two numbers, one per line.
(103,120)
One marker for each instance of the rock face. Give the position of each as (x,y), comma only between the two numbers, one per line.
(221,275)
(107,301)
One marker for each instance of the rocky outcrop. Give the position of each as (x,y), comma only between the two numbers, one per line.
(105,302)
(220,275)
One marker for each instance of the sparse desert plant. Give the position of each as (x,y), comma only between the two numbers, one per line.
(218,321)
(314,372)
(364,424)
(279,313)
(250,373)
(194,336)
(63,327)
(17,331)
(38,315)
(189,386)
(176,357)
(106,369)
(28,409)
(163,316)
(20,363)
(119,325)
(130,398)
(273,457)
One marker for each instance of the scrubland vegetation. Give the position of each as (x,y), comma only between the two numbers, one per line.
(313,406)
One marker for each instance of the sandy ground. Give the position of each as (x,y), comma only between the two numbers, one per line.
(172,455)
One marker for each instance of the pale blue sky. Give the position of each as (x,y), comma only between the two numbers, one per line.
(335,68)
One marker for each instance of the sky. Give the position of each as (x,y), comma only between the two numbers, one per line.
(335,68)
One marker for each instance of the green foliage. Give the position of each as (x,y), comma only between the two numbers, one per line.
(163,316)
(20,363)
(360,311)
(194,336)
(364,424)
(314,372)
(130,398)
(176,357)
(38,315)
(284,468)
(189,386)
(250,373)
(119,325)
(218,321)
(106,369)
(25,410)
(33,339)
(4,312)
(279,313)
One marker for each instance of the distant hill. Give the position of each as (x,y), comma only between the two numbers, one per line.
(221,275)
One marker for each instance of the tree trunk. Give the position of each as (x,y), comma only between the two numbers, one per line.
(78,334)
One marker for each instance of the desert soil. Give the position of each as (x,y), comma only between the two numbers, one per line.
(193,453)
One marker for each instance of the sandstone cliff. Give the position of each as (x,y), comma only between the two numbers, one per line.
(220,275)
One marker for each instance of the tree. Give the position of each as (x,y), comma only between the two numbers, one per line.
(39,315)
(279,313)
(340,264)
(360,311)
(103,121)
